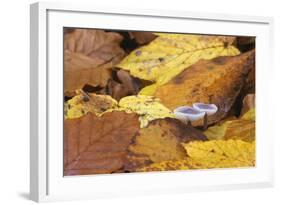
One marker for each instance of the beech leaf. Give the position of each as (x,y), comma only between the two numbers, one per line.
(170,54)
(94,145)
(218,81)
(83,103)
(147,107)
(162,139)
(99,45)
(89,56)
(210,154)
(243,129)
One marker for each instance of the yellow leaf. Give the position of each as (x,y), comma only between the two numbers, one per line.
(222,153)
(169,54)
(148,108)
(217,132)
(210,154)
(171,165)
(83,103)
(243,129)
(250,115)
(162,139)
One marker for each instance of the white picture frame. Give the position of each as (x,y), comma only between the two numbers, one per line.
(46,34)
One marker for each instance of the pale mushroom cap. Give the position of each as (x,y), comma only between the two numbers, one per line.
(210,109)
(185,113)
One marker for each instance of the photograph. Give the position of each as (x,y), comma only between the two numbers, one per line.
(150,101)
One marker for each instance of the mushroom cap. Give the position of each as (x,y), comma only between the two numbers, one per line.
(210,109)
(185,113)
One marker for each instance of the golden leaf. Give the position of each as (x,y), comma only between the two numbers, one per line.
(222,153)
(162,139)
(170,54)
(171,165)
(83,103)
(217,81)
(148,108)
(250,115)
(243,129)
(210,154)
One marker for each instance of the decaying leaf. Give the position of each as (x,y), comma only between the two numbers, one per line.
(142,37)
(80,70)
(98,144)
(128,81)
(210,154)
(162,139)
(248,103)
(122,128)
(250,115)
(170,54)
(147,107)
(171,165)
(243,129)
(217,81)
(222,153)
(83,103)
(134,161)
(126,85)
(99,45)
(89,56)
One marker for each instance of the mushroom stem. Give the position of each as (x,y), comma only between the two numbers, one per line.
(205,126)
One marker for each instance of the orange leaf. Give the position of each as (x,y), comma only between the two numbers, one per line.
(217,81)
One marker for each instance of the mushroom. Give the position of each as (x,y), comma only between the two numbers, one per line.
(208,109)
(187,114)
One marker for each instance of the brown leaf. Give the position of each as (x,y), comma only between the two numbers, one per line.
(142,37)
(126,85)
(89,56)
(80,70)
(129,82)
(98,144)
(248,103)
(117,90)
(245,43)
(218,81)
(135,161)
(162,139)
(99,45)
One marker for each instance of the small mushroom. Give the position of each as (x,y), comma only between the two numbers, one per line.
(208,109)
(187,114)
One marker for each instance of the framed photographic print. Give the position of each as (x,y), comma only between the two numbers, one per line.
(127,102)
